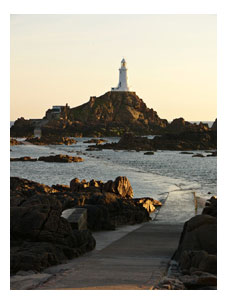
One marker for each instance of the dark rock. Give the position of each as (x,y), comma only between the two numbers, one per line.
(114,114)
(23,158)
(14,142)
(108,204)
(60,158)
(22,128)
(149,153)
(40,237)
(131,142)
(211,207)
(179,125)
(214,126)
(51,140)
(62,188)
(187,140)
(197,249)
(199,233)
(120,186)
(148,203)
(186,152)
(193,260)
(204,280)
(97,141)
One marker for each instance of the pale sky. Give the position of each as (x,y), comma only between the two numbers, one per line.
(59,59)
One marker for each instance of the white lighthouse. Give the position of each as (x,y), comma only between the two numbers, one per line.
(122,86)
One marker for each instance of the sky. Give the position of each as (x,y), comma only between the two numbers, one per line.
(59,59)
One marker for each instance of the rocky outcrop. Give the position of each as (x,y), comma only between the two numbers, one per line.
(51,140)
(14,142)
(23,158)
(199,233)
(112,114)
(211,207)
(108,204)
(197,250)
(130,142)
(96,141)
(22,128)
(40,237)
(186,152)
(121,186)
(214,126)
(61,158)
(179,125)
(117,112)
(148,203)
(187,140)
(190,140)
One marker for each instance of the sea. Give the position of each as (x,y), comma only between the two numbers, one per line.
(150,175)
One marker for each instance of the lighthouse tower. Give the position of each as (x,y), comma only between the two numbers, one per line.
(122,86)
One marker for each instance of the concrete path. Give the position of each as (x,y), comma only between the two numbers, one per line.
(136,261)
(132,257)
(179,207)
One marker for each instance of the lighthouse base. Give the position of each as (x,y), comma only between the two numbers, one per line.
(120,89)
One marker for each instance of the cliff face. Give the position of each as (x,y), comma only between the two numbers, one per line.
(122,108)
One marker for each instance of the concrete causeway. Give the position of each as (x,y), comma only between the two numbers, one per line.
(130,258)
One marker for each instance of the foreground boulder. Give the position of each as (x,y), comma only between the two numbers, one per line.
(40,237)
(197,249)
(121,186)
(199,233)
(108,204)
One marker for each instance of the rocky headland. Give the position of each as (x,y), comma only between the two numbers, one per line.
(41,236)
(111,114)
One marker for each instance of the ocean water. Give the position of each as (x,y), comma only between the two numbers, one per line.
(150,175)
